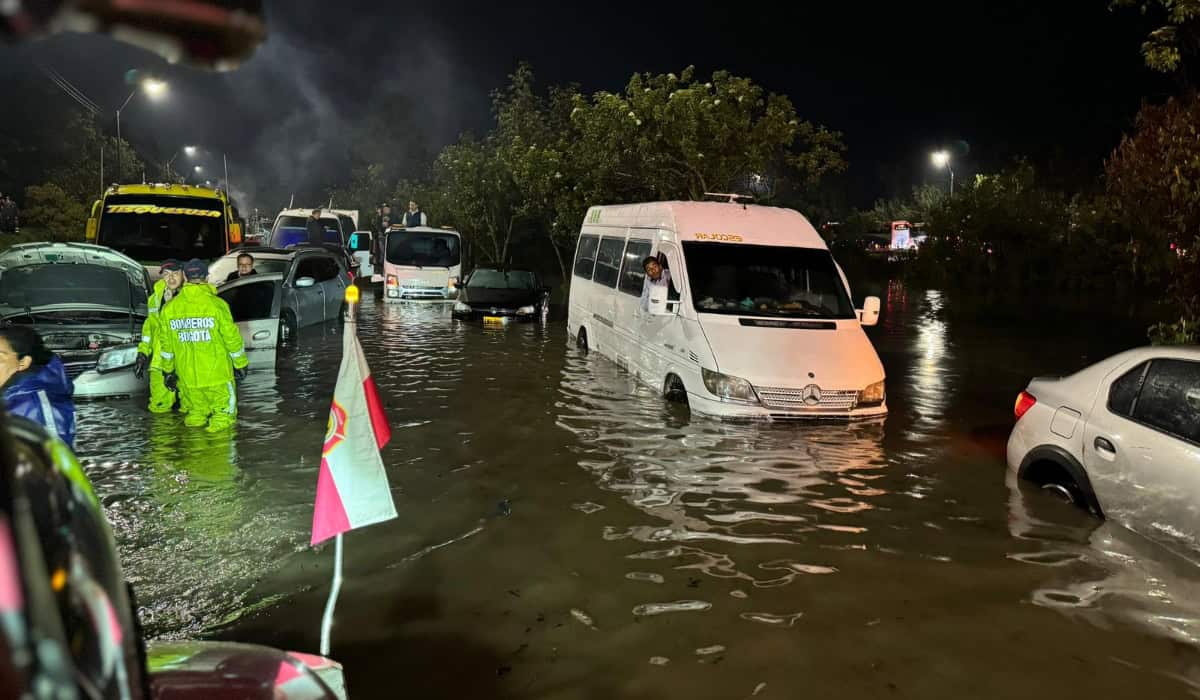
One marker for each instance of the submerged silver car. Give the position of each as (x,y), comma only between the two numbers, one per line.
(87,302)
(1120,438)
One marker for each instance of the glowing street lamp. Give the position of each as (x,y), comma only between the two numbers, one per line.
(189,150)
(154,89)
(941,159)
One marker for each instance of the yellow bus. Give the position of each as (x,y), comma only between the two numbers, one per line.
(154,222)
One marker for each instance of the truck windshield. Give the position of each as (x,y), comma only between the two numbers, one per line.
(422,249)
(755,280)
(156,227)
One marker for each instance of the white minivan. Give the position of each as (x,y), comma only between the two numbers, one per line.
(757,320)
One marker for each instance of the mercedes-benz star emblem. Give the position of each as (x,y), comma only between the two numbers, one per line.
(811,395)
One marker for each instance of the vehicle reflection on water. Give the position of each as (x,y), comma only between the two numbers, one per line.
(562,527)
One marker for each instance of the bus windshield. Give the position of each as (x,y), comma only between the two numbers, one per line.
(156,227)
(423,248)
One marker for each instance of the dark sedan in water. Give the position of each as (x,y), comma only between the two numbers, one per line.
(497,296)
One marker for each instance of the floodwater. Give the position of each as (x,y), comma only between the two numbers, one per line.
(564,533)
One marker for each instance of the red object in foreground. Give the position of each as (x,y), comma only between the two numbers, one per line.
(1025,401)
(352,486)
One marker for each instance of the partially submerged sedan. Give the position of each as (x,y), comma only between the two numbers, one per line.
(497,295)
(87,302)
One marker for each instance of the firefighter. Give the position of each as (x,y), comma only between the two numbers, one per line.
(202,351)
(162,399)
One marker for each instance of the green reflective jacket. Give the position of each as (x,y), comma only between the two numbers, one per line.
(200,341)
(151,344)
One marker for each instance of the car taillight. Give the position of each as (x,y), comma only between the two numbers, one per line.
(1025,401)
(392,281)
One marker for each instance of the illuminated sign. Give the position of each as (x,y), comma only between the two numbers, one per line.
(154,209)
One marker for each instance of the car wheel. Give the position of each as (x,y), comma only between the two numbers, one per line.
(581,341)
(673,389)
(1065,491)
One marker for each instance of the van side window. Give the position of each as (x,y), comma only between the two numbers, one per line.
(608,261)
(633,275)
(585,257)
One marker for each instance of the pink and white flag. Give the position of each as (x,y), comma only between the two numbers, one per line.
(352,487)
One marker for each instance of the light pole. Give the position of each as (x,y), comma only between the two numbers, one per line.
(941,159)
(154,89)
(189,150)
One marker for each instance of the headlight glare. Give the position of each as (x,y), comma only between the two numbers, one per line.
(727,387)
(525,310)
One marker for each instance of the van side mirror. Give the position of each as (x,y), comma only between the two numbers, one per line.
(305,282)
(659,304)
(868,315)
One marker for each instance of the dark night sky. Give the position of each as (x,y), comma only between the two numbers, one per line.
(1057,81)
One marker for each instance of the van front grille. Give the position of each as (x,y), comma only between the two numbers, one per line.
(74,369)
(806,399)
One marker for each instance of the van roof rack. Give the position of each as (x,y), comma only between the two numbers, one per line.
(731,198)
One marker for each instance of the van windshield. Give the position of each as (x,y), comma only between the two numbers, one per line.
(293,230)
(756,280)
(422,249)
(156,227)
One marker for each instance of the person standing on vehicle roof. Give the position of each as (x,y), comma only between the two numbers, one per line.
(202,351)
(414,216)
(162,399)
(314,228)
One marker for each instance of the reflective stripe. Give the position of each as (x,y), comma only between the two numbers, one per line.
(232,408)
(145,339)
(236,355)
(48,413)
(167,355)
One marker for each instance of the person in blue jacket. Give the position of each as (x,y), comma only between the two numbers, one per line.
(35,382)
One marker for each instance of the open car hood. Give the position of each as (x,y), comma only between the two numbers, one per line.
(38,310)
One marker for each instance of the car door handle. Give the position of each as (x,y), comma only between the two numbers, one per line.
(261,335)
(1104,445)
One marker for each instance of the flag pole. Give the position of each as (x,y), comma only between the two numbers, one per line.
(336,588)
(327,618)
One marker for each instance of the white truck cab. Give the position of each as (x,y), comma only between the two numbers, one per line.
(755,320)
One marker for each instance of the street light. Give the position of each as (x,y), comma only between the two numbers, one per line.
(941,159)
(189,150)
(154,89)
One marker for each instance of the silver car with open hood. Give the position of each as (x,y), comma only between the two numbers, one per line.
(88,303)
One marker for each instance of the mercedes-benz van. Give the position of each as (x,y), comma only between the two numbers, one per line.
(754,319)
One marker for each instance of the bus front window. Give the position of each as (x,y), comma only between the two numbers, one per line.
(147,227)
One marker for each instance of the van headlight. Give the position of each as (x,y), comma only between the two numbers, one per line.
(525,310)
(727,387)
(872,395)
(116,358)
(461,307)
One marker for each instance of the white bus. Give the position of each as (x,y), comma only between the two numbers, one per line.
(421,264)
(757,321)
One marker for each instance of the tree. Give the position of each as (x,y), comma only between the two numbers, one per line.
(51,208)
(1172,47)
(671,136)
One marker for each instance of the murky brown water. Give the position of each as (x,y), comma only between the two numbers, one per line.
(564,533)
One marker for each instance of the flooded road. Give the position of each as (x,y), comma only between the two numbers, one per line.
(564,533)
